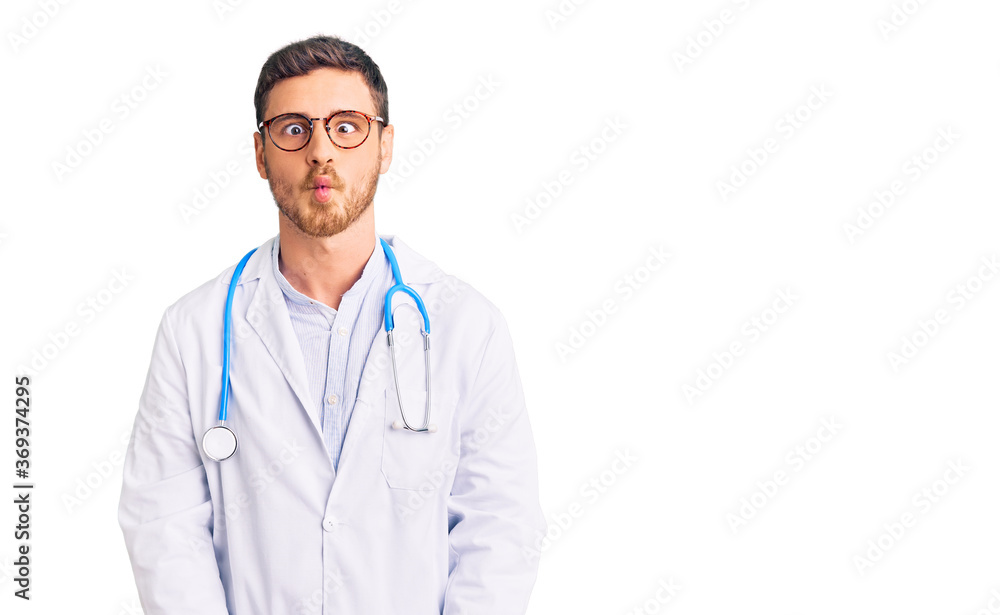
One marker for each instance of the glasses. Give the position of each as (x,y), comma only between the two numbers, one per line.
(291,131)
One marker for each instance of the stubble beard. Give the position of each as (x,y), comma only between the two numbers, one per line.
(324,219)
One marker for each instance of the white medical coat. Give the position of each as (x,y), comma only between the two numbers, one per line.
(412,523)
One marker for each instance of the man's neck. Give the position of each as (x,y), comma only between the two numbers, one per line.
(324,268)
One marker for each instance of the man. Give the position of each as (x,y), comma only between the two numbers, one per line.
(327,506)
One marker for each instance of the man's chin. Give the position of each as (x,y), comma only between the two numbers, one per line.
(320,232)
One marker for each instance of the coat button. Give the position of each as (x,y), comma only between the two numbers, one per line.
(329,524)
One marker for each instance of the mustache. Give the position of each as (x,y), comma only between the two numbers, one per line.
(336,182)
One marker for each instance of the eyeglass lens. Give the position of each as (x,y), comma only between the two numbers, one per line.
(346,129)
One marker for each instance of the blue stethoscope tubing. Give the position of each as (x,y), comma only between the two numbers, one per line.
(390,325)
(220,441)
(227,331)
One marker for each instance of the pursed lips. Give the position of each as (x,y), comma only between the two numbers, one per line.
(322,182)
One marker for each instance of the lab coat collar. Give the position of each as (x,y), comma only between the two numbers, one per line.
(268,315)
(415,268)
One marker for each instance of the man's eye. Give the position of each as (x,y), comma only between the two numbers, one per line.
(346,128)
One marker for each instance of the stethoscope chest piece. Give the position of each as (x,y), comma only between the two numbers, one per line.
(219,442)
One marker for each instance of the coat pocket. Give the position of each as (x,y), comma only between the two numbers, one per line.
(418,460)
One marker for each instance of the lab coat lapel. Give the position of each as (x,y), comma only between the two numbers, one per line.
(268,315)
(374,380)
(376,376)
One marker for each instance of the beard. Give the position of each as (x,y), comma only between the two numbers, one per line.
(324,219)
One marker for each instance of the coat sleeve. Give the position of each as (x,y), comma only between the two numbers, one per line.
(165,510)
(495,518)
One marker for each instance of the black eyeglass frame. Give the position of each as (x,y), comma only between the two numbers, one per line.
(267,124)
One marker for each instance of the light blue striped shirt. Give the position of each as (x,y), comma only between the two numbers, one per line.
(335,343)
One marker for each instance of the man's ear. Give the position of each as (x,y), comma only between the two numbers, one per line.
(258,146)
(385,143)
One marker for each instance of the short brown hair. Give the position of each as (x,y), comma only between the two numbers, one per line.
(301,57)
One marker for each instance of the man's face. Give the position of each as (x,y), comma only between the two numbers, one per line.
(352,173)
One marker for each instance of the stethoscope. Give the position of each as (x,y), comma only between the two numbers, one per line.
(220,442)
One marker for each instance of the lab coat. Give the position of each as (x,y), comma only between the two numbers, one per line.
(410,524)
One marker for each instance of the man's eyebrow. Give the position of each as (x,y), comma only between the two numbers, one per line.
(304,114)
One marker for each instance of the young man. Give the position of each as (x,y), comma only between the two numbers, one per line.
(335,500)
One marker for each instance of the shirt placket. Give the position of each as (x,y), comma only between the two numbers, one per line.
(335,404)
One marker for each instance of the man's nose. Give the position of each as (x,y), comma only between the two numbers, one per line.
(320,149)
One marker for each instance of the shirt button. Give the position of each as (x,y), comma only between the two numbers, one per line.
(332,399)
(329,524)
(343,331)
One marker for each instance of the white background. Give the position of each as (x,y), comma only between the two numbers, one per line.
(687,124)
